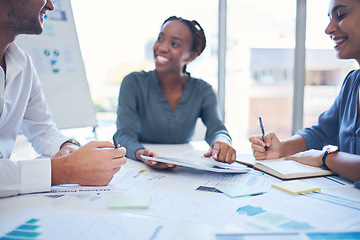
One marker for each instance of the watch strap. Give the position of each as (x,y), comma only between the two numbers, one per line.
(72,141)
(326,153)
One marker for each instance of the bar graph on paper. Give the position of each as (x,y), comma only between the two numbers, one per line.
(28,230)
(51,224)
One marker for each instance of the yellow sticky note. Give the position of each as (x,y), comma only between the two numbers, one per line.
(296,187)
(133,201)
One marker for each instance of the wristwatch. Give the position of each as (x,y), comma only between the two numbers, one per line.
(72,141)
(328,149)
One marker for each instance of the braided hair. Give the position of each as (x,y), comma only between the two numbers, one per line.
(197,32)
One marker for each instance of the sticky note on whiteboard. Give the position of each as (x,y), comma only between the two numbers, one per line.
(296,187)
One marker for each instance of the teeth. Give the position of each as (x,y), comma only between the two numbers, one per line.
(162,59)
(339,40)
(43,14)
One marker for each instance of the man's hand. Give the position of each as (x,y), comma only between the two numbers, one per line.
(94,164)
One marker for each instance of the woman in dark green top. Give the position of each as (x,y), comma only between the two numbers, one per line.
(162,106)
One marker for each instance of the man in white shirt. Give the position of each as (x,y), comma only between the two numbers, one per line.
(23,107)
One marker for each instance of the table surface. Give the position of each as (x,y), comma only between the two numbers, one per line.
(186,178)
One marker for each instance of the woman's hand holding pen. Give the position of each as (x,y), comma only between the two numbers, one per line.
(222,152)
(271,141)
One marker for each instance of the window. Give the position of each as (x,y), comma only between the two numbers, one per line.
(116,38)
(259,68)
(324,72)
(259,63)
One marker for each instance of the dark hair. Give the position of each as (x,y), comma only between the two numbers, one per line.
(199,40)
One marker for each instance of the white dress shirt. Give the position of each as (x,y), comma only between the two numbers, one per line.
(25,109)
(2,89)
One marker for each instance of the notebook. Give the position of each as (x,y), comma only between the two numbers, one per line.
(283,169)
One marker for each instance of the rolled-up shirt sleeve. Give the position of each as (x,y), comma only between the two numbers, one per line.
(26,176)
(338,125)
(325,131)
(127,117)
(210,115)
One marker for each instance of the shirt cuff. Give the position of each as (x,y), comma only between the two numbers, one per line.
(35,175)
(223,138)
(131,150)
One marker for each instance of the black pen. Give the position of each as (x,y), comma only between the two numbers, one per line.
(116,145)
(263,132)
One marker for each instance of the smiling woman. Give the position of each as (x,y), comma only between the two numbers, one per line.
(162,106)
(343,28)
(189,44)
(340,124)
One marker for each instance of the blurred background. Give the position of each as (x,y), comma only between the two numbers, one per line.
(116,38)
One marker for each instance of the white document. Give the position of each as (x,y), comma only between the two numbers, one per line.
(329,234)
(280,211)
(252,179)
(207,164)
(190,206)
(192,155)
(127,180)
(56,224)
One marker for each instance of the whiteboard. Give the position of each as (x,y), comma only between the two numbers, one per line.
(57,58)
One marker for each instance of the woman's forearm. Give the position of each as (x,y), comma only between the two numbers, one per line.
(293,145)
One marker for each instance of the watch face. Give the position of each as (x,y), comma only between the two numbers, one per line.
(330,148)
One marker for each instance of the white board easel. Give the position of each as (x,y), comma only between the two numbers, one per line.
(57,58)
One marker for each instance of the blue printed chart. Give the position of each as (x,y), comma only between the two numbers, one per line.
(44,224)
(29,229)
(308,212)
(261,219)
